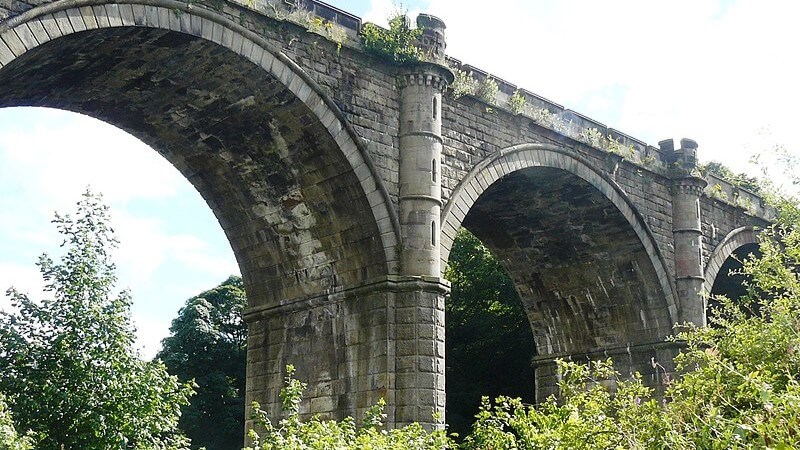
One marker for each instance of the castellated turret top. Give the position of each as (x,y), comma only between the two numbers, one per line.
(433,40)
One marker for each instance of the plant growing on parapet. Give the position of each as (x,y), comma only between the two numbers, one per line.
(397,44)
(544,117)
(719,193)
(591,136)
(649,160)
(487,90)
(616,147)
(737,179)
(300,15)
(463,83)
(517,102)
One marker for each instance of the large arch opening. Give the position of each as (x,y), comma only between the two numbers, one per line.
(269,153)
(488,339)
(589,278)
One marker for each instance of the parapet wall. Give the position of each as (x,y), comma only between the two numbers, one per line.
(535,107)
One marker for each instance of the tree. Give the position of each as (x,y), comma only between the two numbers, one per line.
(489,341)
(68,367)
(741,382)
(9,438)
(207,344)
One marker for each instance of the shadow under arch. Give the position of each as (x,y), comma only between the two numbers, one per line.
(585,264)
(284,173)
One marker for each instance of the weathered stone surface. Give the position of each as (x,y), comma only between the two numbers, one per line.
(341,180)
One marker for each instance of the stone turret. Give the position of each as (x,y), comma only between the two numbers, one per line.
(421,88)
(687,187)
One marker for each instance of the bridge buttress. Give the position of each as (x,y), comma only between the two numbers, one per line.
(420,312)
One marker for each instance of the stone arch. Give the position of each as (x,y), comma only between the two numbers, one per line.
(587,268)
(50,22)
(541,155)
(288,178)
(734,240)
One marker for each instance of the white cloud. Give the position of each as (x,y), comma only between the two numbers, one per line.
(46,162)
(147,247)
(26,279)
(149,333)
(61,154)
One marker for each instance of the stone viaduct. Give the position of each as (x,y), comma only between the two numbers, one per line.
(341,179)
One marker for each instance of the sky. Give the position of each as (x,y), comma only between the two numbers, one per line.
(721,72)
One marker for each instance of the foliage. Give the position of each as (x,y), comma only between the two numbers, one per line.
(397,44)
(547,118)
(9,438)
(592,136)
(290,433)
(489,341)
(207,344)
(67,365)
(313,24)
(463,83)
(741,385)
(487,90)
(595,138)
(517,102)
(737,179)
(596,410)
(718,193)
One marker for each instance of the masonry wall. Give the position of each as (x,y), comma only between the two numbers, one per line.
(720,217)
(474,130)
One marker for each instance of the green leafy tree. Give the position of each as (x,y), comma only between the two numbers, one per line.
(596,410)
(207,344)
(9,438)
(489,342)
(739,179)
(68,367)
(740,386)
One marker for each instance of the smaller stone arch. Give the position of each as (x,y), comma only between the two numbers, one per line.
(524,156)
(734,240)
